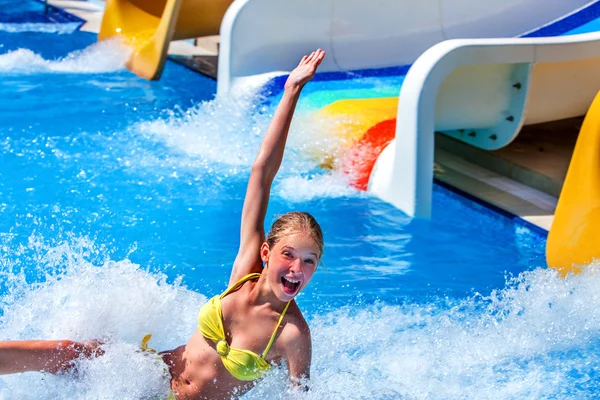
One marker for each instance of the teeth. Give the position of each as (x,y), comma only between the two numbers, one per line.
(291,280)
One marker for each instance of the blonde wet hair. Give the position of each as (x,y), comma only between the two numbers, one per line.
(296,222)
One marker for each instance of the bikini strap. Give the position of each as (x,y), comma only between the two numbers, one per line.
(236,286)
(239,283)
(264,354)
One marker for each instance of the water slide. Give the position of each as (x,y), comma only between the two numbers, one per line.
(574,240)
(476,71)
(148,26)
(480,91)
(359,35)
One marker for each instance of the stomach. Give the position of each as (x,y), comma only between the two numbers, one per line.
(197,372)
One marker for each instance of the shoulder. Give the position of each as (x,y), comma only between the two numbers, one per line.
(296,333)
(243,266)
(295,344)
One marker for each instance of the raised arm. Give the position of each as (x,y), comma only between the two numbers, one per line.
(265,168)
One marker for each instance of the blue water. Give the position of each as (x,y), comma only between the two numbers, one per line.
(57,134)
(20,7)
(19,15)
(120,202)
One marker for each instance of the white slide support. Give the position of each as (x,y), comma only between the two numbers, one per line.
(267,36)
(562,81)
(470,77)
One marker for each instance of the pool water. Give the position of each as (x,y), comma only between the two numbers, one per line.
(33,15)
(120,202)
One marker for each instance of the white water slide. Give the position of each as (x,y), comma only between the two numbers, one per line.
(476,67)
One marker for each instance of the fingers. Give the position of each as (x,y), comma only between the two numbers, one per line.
(305,70)
(314,58)
(306,59)
(319,56)
(92,348)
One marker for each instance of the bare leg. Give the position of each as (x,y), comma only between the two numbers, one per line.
(44,355)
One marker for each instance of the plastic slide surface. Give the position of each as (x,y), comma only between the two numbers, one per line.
(502,83)
(266,36)
(574,238)
(148,26)
(349,121)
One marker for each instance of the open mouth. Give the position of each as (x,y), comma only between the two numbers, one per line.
(290,286)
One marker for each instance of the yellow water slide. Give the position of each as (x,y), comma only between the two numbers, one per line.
(148,26)
(350,119)
(574,238)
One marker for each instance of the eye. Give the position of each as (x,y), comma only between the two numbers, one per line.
(287,254)
(310,261)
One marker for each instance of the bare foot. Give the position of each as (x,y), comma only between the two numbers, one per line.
(305,70)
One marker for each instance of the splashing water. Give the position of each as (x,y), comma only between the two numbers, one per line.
(166,187)
(105,56)
(40,27)
(536,338)
(224,131)
(83,297)
(225,134)
(301,189)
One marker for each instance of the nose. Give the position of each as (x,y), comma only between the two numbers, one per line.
(296,265)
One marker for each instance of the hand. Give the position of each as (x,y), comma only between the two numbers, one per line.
(305,71)
(89,348)
(64,354)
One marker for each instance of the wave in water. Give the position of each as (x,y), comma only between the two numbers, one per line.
(105,56)
(226,131)
(77,298)
(304,188)
(536,338)
(40,27)
(225,135)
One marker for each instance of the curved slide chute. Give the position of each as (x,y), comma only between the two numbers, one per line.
(478,91)
(148,26)
(361,35)
(509,64)
(574,240)
(358,162)
(351,119)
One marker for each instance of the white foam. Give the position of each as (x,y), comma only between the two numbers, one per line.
(40,27)
(535,338)
(328,185)
(225,134)
(115,301)
(512,344)
(224,131)
(105,56)
(122,372)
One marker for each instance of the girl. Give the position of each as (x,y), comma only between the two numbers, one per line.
(256,321)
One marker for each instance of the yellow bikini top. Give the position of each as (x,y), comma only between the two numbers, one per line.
(244,365)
